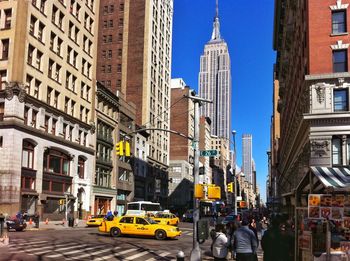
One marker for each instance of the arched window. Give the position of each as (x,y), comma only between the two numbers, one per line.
(56,162)
(27,155)
(81,167)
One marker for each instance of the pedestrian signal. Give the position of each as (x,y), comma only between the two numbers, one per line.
(230,187)
(199,191)
(61,202)
(214,192)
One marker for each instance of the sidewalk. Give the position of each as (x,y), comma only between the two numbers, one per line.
(56,225)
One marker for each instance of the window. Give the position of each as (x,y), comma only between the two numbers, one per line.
(339,22)
(340,100)
(8,16)
(336,151)
(56,162)
(141,221)
(27,155)
(81,164)
(340,61)
(5,49)
(128,220)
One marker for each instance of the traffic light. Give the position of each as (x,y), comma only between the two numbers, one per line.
(127,148)
(230,187)
(198,191)
(61,202)
(119,147)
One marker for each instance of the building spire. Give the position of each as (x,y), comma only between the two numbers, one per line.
(216,26)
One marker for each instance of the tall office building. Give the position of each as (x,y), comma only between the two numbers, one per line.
(215,82)
(47,123)
(148,81)
(247,160)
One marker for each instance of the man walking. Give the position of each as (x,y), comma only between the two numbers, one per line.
(245,243)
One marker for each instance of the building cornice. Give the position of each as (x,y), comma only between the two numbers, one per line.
(27,129)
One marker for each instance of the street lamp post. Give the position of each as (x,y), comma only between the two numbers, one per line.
(234,169)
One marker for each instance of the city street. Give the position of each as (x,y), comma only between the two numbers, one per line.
(87,244)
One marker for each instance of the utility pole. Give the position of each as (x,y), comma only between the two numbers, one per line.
(234,169)
(196,254)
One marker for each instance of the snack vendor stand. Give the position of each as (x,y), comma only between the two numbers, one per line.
(322,215)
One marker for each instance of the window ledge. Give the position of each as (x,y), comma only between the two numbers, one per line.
(339,34)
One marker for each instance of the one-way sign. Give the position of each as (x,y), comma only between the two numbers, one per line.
(208,153)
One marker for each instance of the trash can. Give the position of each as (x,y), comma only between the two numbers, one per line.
(71,222)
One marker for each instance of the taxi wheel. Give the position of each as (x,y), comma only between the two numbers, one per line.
(160,234)
(115,232)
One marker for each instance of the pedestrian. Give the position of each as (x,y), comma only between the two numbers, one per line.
(109,215)
(264,223)
(219,246)
(231,227)
(245,243)
(275,243)
(115,213)
(252,227)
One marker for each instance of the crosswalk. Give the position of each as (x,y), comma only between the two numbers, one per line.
(96,252)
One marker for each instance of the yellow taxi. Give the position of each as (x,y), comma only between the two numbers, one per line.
(139,226)
(95,220)
(166,218)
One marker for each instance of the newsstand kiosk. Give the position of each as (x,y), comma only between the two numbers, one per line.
(322,215)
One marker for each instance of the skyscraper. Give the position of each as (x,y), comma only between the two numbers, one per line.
(247,160)
(215,82)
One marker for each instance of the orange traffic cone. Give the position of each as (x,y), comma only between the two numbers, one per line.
(30,221)
(47,221)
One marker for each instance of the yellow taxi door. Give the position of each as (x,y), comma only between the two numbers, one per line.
(142,227)
(126,225)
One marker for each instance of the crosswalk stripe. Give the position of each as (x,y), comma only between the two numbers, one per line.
(32,243)
(71,252)
(66,248)
(164,254)
(46,247)
(137,255)
(92,254)
(54,248)
(115,255)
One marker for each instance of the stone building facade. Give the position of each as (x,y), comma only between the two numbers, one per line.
(47,124)
(313,73)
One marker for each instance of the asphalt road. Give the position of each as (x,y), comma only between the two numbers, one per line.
(88,244)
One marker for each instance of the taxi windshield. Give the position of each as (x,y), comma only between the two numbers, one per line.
(151,221)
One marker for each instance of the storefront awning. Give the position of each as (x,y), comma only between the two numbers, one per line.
(320,178)
(333,177)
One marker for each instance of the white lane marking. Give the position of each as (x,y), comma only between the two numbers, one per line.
(161,255)
(92,254)
(137,255)
(115,255)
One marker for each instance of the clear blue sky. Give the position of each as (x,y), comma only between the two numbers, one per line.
(247,27)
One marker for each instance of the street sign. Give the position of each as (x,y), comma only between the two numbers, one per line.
(208,153)
(239,198)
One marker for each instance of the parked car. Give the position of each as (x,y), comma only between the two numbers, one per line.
(188,216)
(16,224)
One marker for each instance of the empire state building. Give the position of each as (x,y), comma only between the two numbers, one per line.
(215,82)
